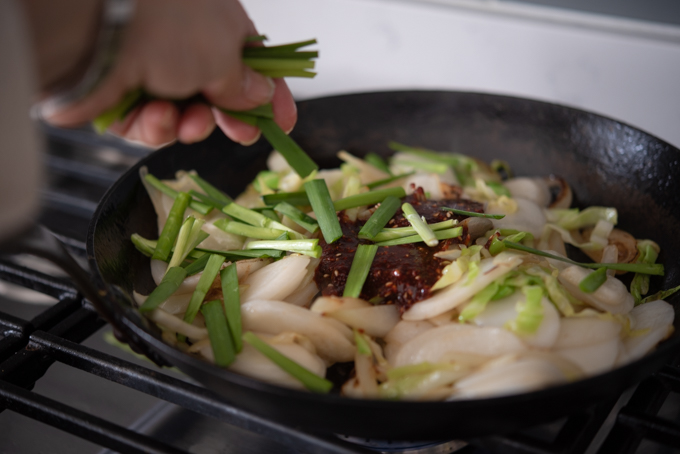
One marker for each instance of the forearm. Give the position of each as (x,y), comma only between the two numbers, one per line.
(63,34)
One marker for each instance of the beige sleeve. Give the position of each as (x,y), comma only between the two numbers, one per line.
(20,144)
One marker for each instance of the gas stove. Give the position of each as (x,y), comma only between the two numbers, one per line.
(67,386)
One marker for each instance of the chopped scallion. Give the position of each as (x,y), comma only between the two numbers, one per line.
(298,198)
(389,180)
(270,213)
(250,231)
(640,284)
(204,283)
(240,254)
(358,272)
(593,281)
(167,190)
(363,348)
(308,246)
(380,218)
(368,198)
(197,265)
(169,284)
(306,222)
(662,295)
(291,151)
(439,234)
(211,190)
(171,228)
(205,199)
(146,247)
(219,333)
(190,235)
(310,380)
(131,100)
(434,167)
(401,232)
(232,303)
(378,162)
(252,217)
(419,225)
(473,214)
(655,269)
(322,204)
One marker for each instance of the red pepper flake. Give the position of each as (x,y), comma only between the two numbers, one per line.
(402,274)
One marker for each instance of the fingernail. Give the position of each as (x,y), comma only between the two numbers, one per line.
(258,88)
(250,142)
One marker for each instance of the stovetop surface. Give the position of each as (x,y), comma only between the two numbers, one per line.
(97,379)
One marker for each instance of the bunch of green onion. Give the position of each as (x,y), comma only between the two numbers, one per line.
(286,60)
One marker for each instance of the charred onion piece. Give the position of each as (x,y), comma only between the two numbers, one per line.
(624,242)
(560,191)
(476,227)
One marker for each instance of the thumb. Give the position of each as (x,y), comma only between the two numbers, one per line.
(252,90)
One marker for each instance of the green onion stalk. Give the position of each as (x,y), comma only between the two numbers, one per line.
(285,60)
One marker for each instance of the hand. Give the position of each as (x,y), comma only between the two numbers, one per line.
(175,49)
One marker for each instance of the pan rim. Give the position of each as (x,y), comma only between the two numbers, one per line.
(664,350)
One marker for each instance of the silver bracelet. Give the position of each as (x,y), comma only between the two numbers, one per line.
(116,15)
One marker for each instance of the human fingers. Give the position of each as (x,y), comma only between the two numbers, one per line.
(237,131)
(251,89)
(196,122)
(283,105)
(84,110)
(155,124)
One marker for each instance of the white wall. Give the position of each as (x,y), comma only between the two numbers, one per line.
(623,69)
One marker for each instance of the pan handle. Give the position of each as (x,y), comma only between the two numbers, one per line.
(39,241)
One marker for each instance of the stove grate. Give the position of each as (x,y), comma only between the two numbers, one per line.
(29,347)
(32,351)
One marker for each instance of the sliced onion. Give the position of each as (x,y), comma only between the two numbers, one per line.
(585,331)
(364,385)
(430,183)
(446,343)
(367,172)
(162,318)
(612,296)
(593,358)
(278,280)
(254,364)
(274,317)
(402,333)
(158,268)
(307,289)
(508,377)
(498,313)
(529,217)
(461,291)
(303,296)
(534,189)
(328,304)
(375,321)
(651,323)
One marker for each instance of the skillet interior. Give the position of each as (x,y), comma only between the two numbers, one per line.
(606,162)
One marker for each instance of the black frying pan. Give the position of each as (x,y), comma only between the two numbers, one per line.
(606,162)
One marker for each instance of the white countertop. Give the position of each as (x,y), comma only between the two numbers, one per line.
(625,69)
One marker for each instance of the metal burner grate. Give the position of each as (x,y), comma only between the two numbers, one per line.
(646,420)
